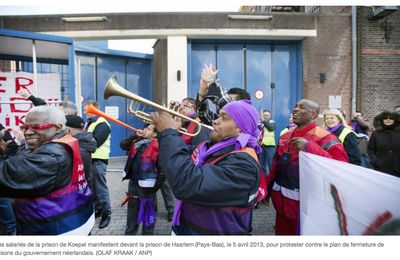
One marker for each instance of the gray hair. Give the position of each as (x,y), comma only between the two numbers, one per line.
(54,115)
(69,107)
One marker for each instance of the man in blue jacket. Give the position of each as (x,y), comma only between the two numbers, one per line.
(218,183)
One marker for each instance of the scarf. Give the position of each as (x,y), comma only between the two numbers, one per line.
(334,129)
(239,141)
(146,214)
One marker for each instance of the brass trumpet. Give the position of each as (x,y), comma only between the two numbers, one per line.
(112,88)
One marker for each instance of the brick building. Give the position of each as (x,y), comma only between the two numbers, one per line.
(378,62)
(315,41)
(327,58)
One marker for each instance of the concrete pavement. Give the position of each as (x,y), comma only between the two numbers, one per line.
(263,218)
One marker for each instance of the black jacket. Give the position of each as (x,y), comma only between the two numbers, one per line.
(133,165)
(384,145)
(350,146)
(228,183)
(37,101)
(32,174)
(216,96)
(12,146)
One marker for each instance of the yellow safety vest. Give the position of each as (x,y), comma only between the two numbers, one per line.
(284,131)
(102,152)
(344,133)
(269,138)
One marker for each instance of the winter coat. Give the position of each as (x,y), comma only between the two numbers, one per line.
(350,146)
(284,180)
(384,145)
(228,183)
(34,174)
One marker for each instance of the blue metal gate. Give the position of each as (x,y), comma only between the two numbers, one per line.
(269,71)
(132,74)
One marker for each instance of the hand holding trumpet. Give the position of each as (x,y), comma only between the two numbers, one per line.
(163,120)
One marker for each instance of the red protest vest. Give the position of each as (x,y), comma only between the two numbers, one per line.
(65,211)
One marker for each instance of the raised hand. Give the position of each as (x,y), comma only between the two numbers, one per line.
(174,105)
(208,76)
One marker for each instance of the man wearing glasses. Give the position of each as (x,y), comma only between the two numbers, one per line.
(188,108)
(47,179)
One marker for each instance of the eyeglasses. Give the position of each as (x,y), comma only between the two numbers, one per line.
(187,105)
(37,127)
(390,118)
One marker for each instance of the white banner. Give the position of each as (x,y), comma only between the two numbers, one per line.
(341,198)
(12,112)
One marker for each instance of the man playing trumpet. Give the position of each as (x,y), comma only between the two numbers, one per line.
(218,183)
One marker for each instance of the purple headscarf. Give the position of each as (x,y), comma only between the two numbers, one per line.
(246,118)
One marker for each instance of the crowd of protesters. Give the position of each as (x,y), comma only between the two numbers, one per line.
(53,175)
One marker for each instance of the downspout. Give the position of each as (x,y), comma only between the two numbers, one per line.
(353,59)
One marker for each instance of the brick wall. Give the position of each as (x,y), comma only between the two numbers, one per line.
(329,53)
(378,63)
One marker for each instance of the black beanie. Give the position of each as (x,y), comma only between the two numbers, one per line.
(74,121)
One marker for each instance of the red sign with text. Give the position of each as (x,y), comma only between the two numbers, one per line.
(14,107)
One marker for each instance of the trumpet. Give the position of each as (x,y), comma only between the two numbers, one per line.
(112,88)
(94,111)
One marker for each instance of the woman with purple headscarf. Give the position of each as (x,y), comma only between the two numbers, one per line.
(217,183)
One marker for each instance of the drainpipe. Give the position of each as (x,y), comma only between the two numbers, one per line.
(353,59)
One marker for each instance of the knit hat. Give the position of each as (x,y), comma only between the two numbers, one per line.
(74,121)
